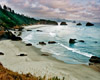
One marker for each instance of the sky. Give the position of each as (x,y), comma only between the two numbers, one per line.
(85,10)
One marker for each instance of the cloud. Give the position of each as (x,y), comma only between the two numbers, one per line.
(68,9)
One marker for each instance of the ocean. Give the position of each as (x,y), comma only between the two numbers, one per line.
(78,53)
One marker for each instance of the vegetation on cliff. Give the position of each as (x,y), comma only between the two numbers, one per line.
(9,19)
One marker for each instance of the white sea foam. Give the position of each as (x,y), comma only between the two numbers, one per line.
(52,34)
(28,37)
(76,51)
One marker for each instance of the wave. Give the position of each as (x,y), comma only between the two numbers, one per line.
(76,51)
(28,37)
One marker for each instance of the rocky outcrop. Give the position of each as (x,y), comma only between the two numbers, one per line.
(71,41)
(42,43)
(48,22)
(89,24)
(78,24)
(63,23)
(51,42)
(1,53)
(28,44)
(11,36)
(94,59)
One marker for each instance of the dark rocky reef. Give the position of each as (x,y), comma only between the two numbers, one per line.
(63,23)
(89,24)
(78,24)
(94,59)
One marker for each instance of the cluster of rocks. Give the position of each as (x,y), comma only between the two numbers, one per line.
(87,24)
(78,24)
(49,42)
(10,35)
(72,41)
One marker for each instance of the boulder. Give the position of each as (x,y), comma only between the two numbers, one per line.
(74,21)
(51,42)
(78,24)
(1,53)
(81,41)
(44,55)
(29,44)
(22,55)
(95,42)
(29,30)
(63,23)
(39,30)
(42,43)
(72,41)
(89,24)
(94,59)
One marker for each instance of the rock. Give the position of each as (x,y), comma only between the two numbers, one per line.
(29,44)
(81,41)
(94,59)
(89,24)
(74,21)
(22,55)
(1,64)
(72,41)
(51,42)
(39,30)
(1,53)
(95,42)
(44,55)
(78,24)
(63,23)
(11,36)
(42,43)
(29,30)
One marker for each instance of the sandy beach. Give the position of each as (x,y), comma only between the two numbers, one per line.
(39,65)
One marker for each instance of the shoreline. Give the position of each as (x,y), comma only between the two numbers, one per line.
(42,65)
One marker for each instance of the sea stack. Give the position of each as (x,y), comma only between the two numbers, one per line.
(89,24)
(63,23)
(78,24)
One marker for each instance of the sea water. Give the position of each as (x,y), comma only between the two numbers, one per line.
(78,53)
